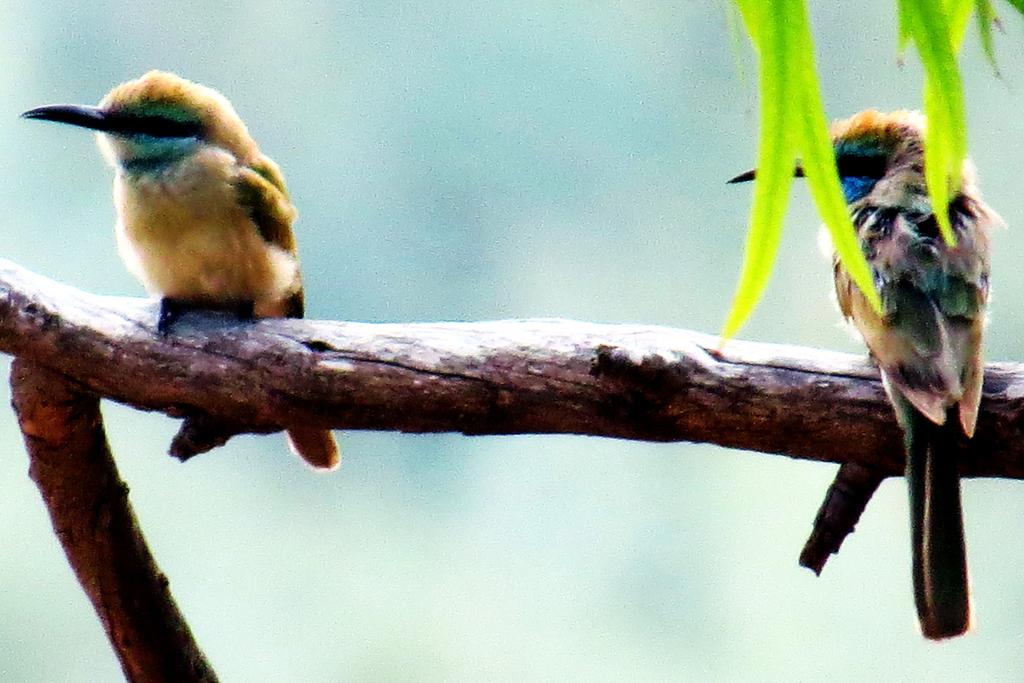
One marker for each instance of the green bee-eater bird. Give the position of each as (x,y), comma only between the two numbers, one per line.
(927,342)
(204,218)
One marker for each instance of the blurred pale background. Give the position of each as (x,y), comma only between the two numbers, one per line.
(466,161)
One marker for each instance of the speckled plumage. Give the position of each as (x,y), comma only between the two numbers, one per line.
(934,358)
(928,340)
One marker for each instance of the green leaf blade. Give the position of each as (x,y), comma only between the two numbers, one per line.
(936,37)
(818,158)
(986,15)
(776,156)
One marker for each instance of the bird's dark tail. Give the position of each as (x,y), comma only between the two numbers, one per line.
(936,522)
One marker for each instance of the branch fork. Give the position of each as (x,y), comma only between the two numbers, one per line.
(503,377)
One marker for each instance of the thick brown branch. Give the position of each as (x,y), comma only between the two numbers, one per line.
(532,376)
(88,505)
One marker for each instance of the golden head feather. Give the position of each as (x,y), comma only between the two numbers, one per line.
(166,94)
(885,127)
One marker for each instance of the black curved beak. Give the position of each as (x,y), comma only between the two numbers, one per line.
(79,115)
(747,176)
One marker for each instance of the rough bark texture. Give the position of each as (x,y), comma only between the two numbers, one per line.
(88,504)
(845,501)
(530,376)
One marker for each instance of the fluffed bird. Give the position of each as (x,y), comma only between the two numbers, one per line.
(203,217)
(928,340)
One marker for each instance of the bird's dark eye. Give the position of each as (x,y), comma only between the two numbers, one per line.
(861,166)
(158,126)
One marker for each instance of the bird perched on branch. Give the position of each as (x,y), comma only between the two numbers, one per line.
(927,342)
(204,218)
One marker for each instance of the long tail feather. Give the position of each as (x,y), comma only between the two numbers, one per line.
(937,529)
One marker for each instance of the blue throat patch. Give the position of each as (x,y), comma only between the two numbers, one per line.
(861,163)
(856,187)
(153,155)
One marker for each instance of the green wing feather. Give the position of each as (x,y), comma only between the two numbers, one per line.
(261,190)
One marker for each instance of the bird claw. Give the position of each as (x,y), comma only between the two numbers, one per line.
(171,310)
